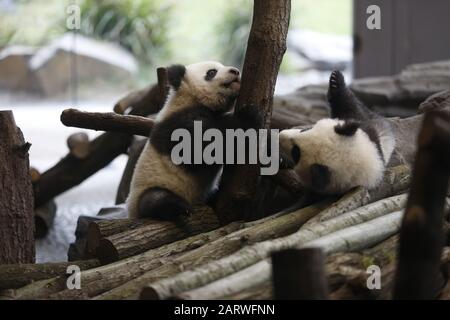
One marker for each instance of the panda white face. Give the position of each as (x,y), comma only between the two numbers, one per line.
(210,83)
(333,156)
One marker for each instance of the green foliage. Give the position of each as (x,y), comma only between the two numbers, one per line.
(233,31)
(138,25)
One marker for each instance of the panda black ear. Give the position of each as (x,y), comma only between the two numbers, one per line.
(348,128)
(175,75)
(320,177)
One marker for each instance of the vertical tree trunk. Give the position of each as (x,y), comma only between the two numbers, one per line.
(299,274)
(16,196)
(421,236)
(266,46)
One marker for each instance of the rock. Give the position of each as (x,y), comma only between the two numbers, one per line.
(94,60)
(407,89)
(437,101)
(424,79)
(15,74)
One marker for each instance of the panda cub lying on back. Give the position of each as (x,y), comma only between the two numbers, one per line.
(352,148)
(203,92)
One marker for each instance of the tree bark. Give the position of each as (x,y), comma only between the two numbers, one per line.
(17,275)
(77,250)
(265,50)
(421,238)
(16,195)
(153,235)
(103,228)
(299,274)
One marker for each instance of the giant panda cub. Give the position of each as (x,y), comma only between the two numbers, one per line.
(160,189)
(352,148)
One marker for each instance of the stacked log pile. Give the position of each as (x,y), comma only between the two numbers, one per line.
(320,248)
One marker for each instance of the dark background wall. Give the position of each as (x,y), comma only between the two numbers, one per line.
(412,31)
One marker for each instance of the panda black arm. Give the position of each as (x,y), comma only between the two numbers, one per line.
(343,102)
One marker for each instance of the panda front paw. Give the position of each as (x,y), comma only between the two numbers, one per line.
(337,80)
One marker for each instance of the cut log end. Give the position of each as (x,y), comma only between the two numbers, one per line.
(79,145)
(107,252)
(148,293)
(93,237)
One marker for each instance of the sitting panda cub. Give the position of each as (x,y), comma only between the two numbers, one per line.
(352,148)
(203,92)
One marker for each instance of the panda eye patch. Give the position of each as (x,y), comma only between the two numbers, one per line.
(210,74)
(296,154)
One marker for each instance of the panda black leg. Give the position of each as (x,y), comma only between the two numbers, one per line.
(343,102)
(162,204)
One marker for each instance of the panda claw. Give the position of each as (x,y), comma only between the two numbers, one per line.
(337,80)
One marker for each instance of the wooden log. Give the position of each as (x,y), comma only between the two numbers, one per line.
(70,171)
(288,180)
(79,145)
(153,235)
(16,195)
(345,272)
(77,250)
(251,254)
(421,239)
(44,216)
(250,277)
(99,229)
(17,275)
(268,229)
(346,276)
(237,198)
(299,274)
(395,181)
(262,291)
(133,155)
(107,121)
(148,100)
(104,278)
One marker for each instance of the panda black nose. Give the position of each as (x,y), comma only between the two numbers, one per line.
(234,71)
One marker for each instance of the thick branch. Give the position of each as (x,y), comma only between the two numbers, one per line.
(107,121)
